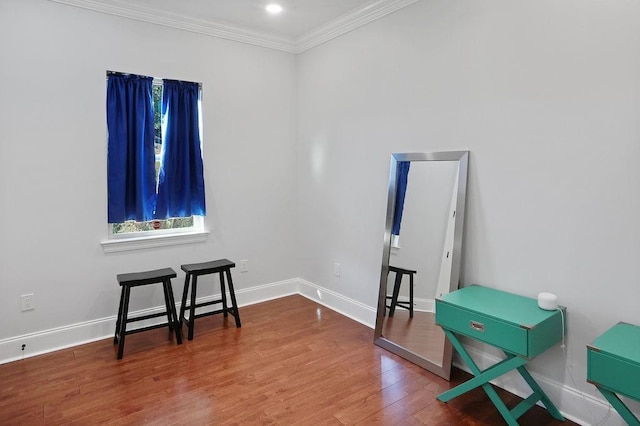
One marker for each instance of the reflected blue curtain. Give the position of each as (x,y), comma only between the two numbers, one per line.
(131,180)
(402,177)
(181,180)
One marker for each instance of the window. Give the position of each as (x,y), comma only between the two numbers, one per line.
(155,170)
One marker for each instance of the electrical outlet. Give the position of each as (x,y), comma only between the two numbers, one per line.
(244,265)
(28,302)
(336,269)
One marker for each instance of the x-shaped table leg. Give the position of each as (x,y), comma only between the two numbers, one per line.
(482,378)
(619,406)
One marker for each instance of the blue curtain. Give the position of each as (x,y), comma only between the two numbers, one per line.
(402,177)
(131,180)
(181,181)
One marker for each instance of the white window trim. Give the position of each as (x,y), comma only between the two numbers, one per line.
(152,241)
(163,237)
(160,238)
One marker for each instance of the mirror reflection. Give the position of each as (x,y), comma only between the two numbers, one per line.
(421,257)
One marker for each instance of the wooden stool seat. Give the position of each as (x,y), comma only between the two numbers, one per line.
(395,303)
(193,271)
(136,279)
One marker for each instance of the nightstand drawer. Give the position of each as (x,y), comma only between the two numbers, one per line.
(618,375)
(507,336)
(613,360)
(508,321)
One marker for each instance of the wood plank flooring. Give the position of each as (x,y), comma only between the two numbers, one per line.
(293,362)
(419,334)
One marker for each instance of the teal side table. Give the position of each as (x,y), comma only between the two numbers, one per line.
(613,366)
(512,323)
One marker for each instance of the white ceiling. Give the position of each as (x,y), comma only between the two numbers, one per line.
(298,18)
(302,25)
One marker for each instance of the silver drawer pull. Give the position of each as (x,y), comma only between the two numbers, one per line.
(477,326)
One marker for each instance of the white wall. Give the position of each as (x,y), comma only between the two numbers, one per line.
(425,218)
(53,159)
(545,95)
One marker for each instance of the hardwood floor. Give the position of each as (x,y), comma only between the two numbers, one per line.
(419,334)
(292,362)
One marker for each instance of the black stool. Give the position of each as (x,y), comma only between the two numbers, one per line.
(194,270)
(136,279)
(395,303)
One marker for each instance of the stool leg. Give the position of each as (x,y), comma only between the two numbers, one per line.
(232,293)
(387,297)
(123,320)
(225,309)
(396,292)
(192,308)
(171,311)
(185,290)
(167,307)
(119,318)
(410,295)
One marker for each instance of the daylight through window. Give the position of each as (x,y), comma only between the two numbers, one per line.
(155,171)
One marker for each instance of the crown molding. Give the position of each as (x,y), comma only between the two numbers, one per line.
(213,29)
(370,12)
(364,15)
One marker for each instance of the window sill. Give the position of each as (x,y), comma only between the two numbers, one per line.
(141,243)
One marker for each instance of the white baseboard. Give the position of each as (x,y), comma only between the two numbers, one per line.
(348,307)
(574,405)
(54,339)
(424,305)
(262,293)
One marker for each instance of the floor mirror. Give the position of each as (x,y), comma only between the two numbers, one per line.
(421,254)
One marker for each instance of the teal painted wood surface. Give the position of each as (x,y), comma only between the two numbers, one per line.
(613,360)
(620,407)
(499,304)
(621,341)
(508,321)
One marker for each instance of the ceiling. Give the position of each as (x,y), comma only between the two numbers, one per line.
(302,25)
(299,16)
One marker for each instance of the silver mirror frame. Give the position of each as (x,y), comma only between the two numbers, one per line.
(462,157)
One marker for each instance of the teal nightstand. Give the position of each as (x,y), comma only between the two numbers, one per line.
(507,321)
(613,366)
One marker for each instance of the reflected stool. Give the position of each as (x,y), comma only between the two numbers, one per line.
(193,271)
(395,303)
(136,279)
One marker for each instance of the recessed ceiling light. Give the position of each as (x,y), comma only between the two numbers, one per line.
(274,8)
